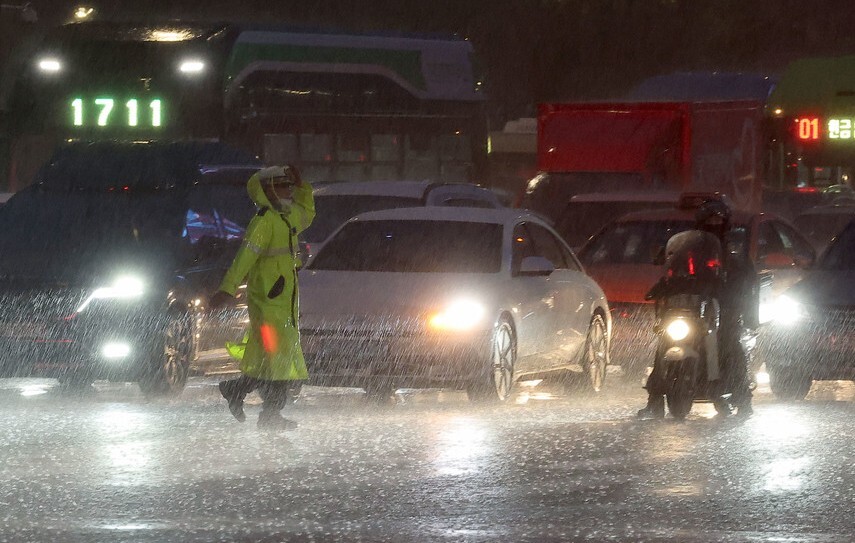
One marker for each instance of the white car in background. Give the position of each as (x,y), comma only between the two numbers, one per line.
(335,203)
(449,297)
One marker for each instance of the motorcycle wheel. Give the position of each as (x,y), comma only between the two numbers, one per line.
(682,392)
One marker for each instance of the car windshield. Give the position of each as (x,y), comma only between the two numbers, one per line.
(333,211)
(59,233)
(631,242)
(414,246)
(218,211)
(821,228)
(840,255)
(581,220)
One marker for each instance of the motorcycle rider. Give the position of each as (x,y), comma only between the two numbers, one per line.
(737,298)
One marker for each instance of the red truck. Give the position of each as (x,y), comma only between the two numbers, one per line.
(661,148)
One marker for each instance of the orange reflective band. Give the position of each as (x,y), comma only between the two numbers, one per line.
(268,338)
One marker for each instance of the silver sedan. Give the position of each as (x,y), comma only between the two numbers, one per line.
(460,297)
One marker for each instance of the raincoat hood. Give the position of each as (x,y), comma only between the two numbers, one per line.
(256,192)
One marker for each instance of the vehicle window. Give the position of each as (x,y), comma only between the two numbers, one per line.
(219,211)
(385,154)
(522,247)
(841,253)
(64,228)
(546,245)
(385,147)
(421,160)
(316,147)
(570,258)
(821,229)
(413,246)
(634,242)
(123,171)
(200,223)
(581,220)
(333,211)
(769,242)
(793,242)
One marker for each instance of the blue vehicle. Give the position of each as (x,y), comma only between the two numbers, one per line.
(107,259)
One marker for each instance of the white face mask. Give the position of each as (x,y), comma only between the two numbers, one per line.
(285,203)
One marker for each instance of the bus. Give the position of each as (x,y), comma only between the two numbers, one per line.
(342,106)
(810,118)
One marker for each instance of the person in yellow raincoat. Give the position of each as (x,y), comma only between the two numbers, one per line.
(267,261)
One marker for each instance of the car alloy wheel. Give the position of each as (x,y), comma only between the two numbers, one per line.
(504,355)
(498,383)
(596,353)
(170,376)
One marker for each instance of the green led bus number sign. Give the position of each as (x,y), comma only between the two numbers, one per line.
(109,112)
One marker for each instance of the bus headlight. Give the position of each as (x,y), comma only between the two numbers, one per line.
(678,330)
(49,65)
(191,66)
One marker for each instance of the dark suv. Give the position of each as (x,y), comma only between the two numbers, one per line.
(107,259)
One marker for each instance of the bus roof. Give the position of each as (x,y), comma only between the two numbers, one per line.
(428,68)
(132,31)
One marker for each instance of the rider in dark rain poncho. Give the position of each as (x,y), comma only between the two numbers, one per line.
(737,296)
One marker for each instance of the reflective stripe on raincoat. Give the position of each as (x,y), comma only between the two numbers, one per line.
(267,260)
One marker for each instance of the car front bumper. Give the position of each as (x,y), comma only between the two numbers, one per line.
(116,348)
(397,358)
(822,344)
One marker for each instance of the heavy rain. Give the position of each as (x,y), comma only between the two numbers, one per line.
(448,271)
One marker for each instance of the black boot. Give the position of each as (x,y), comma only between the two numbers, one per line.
(272,419)
(744,411)
(655,408)
(722,407)
(234,398)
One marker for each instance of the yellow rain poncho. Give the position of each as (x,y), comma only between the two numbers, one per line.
(267,260)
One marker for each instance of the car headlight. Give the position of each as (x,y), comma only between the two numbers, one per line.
(123,288)
(678,329)
(788,310)
(460,315)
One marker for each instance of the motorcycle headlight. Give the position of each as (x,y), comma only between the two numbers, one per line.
(788,310)
(124,288)
(459,316)
(678,329)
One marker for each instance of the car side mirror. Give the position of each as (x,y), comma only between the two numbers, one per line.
(778,261)
(535,266)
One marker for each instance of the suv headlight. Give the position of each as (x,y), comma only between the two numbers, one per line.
(789,311)
(123,288)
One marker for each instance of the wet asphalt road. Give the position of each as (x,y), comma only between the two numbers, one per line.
(112,466)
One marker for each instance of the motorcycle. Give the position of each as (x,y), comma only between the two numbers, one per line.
(687,367)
